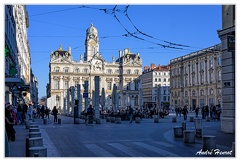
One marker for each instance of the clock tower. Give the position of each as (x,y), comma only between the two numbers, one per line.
(91,43)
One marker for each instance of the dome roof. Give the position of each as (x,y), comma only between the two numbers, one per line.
(61,52)
(92,29)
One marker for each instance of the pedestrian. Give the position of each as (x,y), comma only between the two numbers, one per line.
(90,112)
(179,111)
(196,111)
(24,112)
(55,112)
(47,112)
(30,111)
(218,111)
(19,114)
(9,123)
(130,113)
(176,111)
(185,112)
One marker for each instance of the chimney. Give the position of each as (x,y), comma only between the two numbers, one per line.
(146,68)
(152,66)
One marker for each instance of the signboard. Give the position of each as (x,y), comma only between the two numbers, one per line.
(231,43)
(85,95)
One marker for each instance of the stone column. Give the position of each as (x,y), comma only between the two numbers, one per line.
(68,101)
(64,105)
(79,98)
(72,98)
(96,97)
(86,97)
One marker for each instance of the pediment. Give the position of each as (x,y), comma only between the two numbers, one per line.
(61,61)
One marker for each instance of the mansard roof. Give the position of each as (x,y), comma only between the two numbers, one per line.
(61,52)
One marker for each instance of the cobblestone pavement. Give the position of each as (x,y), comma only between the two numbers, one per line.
(144,139)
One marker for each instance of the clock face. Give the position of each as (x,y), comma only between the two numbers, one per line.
(92,43)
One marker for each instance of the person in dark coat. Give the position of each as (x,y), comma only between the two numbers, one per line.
(185,112)
(55,112)
(42,112)
(9,123)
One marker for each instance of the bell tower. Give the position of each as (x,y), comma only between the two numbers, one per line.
(91,43)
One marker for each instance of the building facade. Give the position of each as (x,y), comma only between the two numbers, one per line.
(17,55)
(196,78)
(152,78)
(227,36)
(64,72)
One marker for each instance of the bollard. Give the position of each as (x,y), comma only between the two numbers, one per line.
(208,142)
(34,134)
(189,136)
(178,133)
(174,119)
(36,141)
(33,123)
(40,151)
(184,125)
(155,119)
(112,119)
(208,119)
(137,119)
(108,119)
(191,119)
(118,120)
(198,127)
(59,121)
(34,130)
(27,125)
(98,121)
(33,126)
(45,121)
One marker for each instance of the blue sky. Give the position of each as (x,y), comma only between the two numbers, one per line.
(194,27)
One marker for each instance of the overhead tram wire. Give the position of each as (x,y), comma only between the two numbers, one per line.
(126,14)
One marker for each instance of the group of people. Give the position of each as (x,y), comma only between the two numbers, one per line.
(214,111)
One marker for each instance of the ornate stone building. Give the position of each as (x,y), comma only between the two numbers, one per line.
(64,72)
(196,78)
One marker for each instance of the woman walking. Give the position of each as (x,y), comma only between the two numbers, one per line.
(55,112)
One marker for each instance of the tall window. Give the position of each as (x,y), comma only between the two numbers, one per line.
(159,79)
(155,79)
(193,67)
(56,84)
(57,69)
(193,79)
(109,71)
(201,78)
(66,84)
(202,92)
(186,80)
(66,70)
(219,75)
(75,83)
(117,71)
(211,63)
(219,61)
(85,70)
(210,76)
(57,98)
(128,71)
(76,70)
(109,85)
(202,65)
(164,80)
(136,71)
